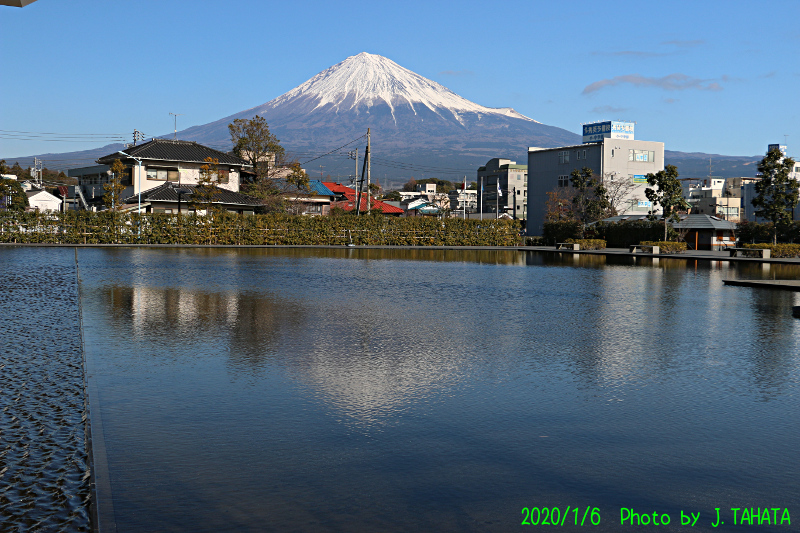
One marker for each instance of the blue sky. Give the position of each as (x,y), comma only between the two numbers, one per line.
(715,77)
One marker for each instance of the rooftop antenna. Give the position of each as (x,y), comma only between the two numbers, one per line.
(175,137)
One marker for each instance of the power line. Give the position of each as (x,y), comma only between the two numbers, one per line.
(66,134)
(337,149)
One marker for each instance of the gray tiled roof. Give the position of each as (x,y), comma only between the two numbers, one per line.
(169,150)
(698,221)
(168,193)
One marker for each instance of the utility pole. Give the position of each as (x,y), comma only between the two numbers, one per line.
(137,136)
(353,154)
(320,172)
(480,198)
(175,137)
(369,163)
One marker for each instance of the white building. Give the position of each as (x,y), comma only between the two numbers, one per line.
(42,200)
(163,162)
(610,150)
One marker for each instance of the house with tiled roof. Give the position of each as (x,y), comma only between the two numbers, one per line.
(157,163)
(314,201)
(346,198)
(172,198)
(350,202)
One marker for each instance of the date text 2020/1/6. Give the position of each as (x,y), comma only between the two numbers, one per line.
(553,516)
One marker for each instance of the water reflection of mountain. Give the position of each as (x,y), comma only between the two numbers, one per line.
(365,360)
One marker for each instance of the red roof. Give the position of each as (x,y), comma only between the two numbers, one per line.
(377,205)
(338,188)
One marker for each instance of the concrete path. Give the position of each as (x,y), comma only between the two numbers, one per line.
(708,255)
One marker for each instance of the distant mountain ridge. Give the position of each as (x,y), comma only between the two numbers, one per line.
(419,127)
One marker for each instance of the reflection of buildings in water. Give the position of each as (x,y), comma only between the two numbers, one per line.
(250,325)
(181,310)
(630,302)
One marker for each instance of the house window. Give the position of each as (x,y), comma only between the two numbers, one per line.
(563,181)
(163,174)
(224,176)
(563,157)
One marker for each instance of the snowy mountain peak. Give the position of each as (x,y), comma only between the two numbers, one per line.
(369,79)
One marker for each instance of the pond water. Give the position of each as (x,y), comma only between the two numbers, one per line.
(428,390)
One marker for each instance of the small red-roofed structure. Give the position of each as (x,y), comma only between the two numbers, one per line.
(349,204)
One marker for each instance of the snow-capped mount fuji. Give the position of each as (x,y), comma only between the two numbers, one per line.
(414,120)
(367,80)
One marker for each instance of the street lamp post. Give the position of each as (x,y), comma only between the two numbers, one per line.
(139,186)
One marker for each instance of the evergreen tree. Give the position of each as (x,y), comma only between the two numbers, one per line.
(776,192)
(668,194)
(205,192)
(114,188)
(591,198)
(253,142)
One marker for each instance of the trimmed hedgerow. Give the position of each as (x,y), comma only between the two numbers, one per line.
(780,250)
(589,244)
(667,247)
(106,227)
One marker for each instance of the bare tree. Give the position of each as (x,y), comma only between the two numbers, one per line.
(618,188)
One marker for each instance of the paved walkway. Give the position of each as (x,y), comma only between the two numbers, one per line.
(707,255)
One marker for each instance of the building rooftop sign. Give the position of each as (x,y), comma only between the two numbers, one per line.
(609,129)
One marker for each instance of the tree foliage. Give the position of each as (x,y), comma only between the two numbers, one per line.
(206,191)
(776,192)
(590,200)
(12,195)
(114,188)
(392,196)
(410,185)
(253,142)
(559,206)
(668,194)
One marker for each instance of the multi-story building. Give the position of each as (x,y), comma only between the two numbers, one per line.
(610,150)
(503,188)
(749,190)
(718,197)
(464,201)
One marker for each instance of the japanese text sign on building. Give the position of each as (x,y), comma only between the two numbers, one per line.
(610,129)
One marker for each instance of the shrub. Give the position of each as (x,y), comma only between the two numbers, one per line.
(755,232)
(106,227)
(779,250)
(626,233)
(589,244)
(667,247)
(554,232)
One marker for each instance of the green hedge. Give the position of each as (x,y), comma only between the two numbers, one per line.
(667,247)
(105,227)
(553,232)
(589,244)
(533,241)
(754,232)
(778,250)
(616,234)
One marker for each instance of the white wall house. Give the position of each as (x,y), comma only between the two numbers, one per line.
(160,162)
(42,200)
